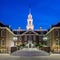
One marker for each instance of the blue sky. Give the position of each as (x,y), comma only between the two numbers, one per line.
(44,12)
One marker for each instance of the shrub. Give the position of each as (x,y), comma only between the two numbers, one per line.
(40,45)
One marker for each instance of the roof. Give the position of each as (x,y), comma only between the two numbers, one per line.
(41,32)
(21,32)
(56,25)
(2,25)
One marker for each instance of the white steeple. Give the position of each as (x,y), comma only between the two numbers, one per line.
(30,25)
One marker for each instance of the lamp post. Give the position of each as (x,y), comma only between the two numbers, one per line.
(15,39)
(45,39)
(48,47)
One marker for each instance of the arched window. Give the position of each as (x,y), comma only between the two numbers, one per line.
(3,33)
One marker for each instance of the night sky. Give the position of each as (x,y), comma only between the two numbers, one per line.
(44,12)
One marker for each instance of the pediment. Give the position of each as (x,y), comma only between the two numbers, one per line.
(30,32)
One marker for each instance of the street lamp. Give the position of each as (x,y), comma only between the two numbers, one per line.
(45,39)
(15,39)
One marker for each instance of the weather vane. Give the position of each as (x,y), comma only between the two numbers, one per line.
(29,7)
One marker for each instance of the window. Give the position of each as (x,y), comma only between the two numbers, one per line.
(3,33)
(29,28)
(57,33)
(29,37)
(2,42)
(57,42)
(30,22)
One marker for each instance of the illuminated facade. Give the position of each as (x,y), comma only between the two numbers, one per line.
(28,36)
(53,36)
(6,39)
(10,38)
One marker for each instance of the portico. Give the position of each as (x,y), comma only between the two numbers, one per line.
(29,38)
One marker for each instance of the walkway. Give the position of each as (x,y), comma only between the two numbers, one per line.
(30,52)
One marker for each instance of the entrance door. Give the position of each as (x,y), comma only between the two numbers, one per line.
(29,45)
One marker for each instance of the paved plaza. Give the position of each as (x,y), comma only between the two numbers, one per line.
(9,57)
(41,55)
(30,52)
